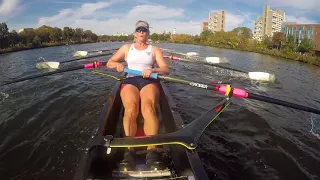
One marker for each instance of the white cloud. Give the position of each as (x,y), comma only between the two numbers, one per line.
(154,12)
(233,21)
(65,2)
(158,16)
(297,4)
(7,7)
(68,16)
(59,17)
(299,20)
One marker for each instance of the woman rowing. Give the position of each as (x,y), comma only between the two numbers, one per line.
(140,56)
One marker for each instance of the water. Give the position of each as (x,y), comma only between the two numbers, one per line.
(46,122)
(315,126)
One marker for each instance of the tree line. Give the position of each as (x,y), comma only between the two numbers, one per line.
(241,39)
(154,37)
(107,38)
(43,36)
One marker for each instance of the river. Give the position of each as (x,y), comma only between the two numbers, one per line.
(46,122)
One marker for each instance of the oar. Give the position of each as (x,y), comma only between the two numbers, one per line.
(55,65)
(184,54)
(227,91)
(85,66)
(258,76)
(208,60)
(211,60)
(85,53)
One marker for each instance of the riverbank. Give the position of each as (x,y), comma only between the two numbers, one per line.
(304,52)
(44,45)
(314,60)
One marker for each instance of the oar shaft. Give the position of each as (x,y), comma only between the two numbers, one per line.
(281,102)
(42,75)
(103,50)
(99,55)
(203,62)
(86,66)
(186,82)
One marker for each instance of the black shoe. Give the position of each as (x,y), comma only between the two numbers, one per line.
(154,160)
(129,162)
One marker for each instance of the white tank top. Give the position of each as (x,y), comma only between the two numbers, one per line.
(139,59)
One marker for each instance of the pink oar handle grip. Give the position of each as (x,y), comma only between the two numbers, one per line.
(175,58)
(240,93)
(172,57)
(92,65)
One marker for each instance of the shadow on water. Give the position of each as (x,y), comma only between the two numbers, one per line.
(46,122)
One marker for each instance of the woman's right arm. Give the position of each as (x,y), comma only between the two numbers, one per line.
(115,60)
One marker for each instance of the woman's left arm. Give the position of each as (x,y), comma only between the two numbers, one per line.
(163,67)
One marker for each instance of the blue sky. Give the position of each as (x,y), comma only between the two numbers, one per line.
(112,16)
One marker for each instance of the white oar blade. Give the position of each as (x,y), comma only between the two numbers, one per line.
(192,54)
(216,60)
(80,53)
(262,76)
(48,65)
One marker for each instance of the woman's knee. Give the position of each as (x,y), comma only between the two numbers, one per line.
(132,108)
(148,107)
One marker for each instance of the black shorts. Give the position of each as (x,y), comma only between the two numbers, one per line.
(140,82)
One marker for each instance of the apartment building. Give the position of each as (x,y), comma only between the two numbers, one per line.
(258,29)
(302,31)
(204,25)
(217,21)
(270,22)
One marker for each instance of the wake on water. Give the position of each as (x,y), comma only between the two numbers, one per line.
(3,96)
(315,126)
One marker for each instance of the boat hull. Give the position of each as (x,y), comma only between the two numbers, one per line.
(102,163)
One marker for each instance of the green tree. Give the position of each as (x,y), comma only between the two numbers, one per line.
(55,35)
(4,34)
(94,37)
(154,37)
(306,46)
(278,39)
(205,34)
(77,37)
(244,31)
(167,36)
(14,38)
(291,44)
(43,33)
(88,34)
(36,41)
(197,39)
(27,37)
(267,41)
(67,33)
(161,37)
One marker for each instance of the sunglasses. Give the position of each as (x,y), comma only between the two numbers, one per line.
(142,29)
